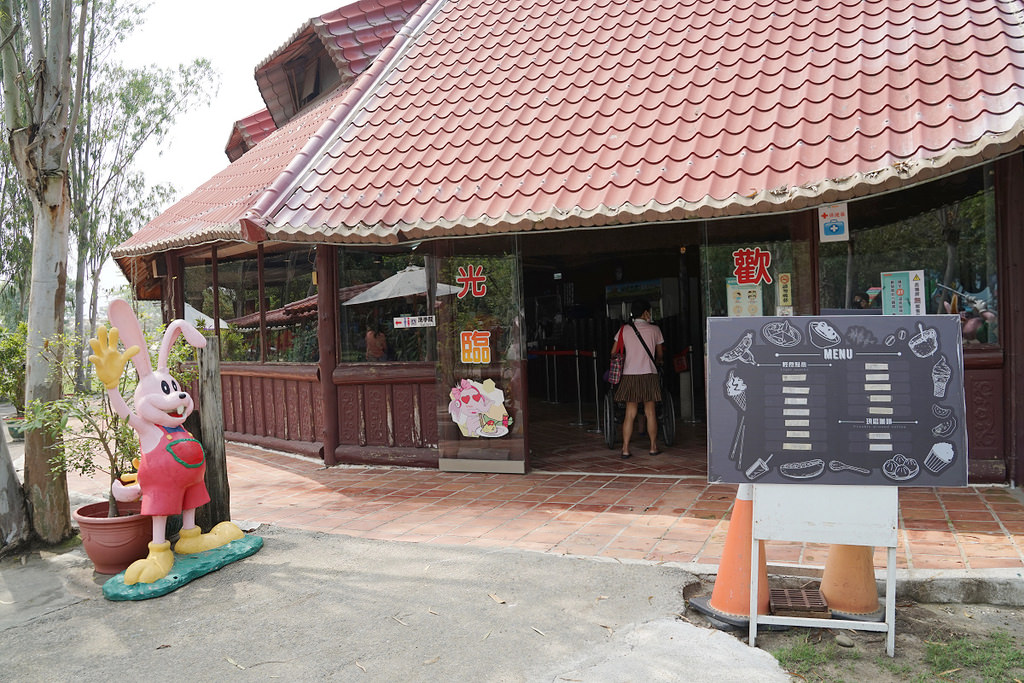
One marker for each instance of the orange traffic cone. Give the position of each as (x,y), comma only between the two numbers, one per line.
(730,598)
(848,583)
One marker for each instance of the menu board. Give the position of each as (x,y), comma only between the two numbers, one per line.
(855,400)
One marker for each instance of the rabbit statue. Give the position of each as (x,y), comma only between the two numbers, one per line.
(172,466)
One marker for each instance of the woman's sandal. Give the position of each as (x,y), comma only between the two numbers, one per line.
(653,452)
(627,454)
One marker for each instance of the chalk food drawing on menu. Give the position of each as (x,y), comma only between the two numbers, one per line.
(798,381)
(736,390)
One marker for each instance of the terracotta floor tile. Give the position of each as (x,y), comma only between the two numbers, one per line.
(624,553)
(937,562)
(948,548)
(595,512)
(993,563)
(977,526)
(985,550)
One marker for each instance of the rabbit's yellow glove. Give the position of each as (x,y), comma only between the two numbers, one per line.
(108,360)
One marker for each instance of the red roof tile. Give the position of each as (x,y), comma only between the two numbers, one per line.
(247,132)
(212,211)
(536,114)
(296,311)
(352,36)
(215,209)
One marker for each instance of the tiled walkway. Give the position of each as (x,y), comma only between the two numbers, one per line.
(652,518)
(581,498)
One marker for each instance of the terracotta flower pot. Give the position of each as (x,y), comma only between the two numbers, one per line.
(113,543)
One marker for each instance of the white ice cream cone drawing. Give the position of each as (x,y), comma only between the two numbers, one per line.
(736,390)
(941,372)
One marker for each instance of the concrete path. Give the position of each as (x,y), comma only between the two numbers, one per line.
(313,606)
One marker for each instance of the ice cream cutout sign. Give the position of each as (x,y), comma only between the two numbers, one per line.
(478,408)
(858,399)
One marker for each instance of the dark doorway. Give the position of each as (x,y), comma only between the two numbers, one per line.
(577,287)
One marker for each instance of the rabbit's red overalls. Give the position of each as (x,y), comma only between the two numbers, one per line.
(171,475)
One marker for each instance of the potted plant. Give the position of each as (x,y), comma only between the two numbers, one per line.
(12,376)
(93,438)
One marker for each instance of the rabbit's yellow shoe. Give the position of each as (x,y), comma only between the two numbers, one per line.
(153,567)
(194,541)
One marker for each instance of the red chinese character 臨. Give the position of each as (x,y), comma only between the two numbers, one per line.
(472,281)
(752,266)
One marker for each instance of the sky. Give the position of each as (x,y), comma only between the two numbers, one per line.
(235,35)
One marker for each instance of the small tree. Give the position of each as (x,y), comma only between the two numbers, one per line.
(94,438)
(12,366)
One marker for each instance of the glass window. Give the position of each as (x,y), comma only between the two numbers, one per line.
(480,370)
(946,228)
(375,289)
(291,304)
(239,309)
(198,281)
(757,266)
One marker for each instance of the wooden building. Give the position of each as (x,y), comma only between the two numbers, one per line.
(522,168)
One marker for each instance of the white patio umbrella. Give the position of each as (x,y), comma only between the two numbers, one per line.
(193,314)
(408,282)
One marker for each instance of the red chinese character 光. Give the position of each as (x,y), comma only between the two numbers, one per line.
(472,281)
(752,266)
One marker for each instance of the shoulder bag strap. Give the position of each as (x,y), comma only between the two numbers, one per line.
(643,343)
(620,343)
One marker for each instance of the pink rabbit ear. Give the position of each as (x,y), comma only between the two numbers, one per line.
(123,318)
(192,336)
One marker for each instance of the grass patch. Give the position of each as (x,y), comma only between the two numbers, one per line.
(804,656)
(994,659)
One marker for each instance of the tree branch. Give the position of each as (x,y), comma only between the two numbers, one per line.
(76,107)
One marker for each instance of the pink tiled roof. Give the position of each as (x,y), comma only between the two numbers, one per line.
(247,132)
(352,36)
(215,210)
(531,114)
(212,211)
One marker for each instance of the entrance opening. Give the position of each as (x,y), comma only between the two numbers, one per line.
(577,290)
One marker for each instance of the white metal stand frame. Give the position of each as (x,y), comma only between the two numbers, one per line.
(845,515)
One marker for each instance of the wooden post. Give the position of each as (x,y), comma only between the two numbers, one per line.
(327,333)
(211,416)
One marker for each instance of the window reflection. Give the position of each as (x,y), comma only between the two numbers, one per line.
(946,228)
(239,304)
(291,303)
(374,290)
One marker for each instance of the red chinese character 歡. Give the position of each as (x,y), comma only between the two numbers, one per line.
(752,266)
(471,281)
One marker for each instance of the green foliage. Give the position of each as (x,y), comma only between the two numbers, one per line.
(15,242)
(12,366)
(89,436)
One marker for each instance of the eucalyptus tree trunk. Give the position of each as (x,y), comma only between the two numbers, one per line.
(40,113)
(47,493)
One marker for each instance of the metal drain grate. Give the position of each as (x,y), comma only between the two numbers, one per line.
(797,602)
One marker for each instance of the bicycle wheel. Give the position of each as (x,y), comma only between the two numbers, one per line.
(608,418)
(668,418)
